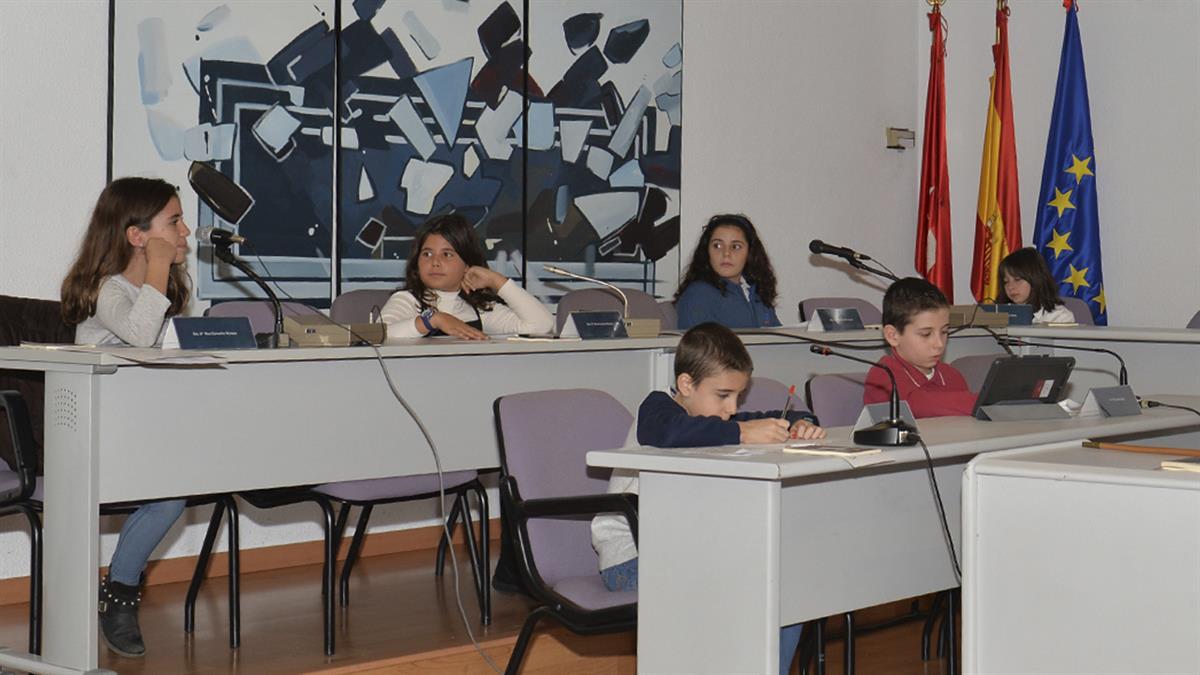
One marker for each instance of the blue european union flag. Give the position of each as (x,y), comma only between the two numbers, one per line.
(1068,224)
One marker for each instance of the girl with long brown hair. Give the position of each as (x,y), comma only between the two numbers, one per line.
(127,280)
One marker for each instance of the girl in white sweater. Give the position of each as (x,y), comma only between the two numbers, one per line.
(1026,280)
(449,290)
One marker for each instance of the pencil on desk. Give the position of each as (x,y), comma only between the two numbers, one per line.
(1148,449)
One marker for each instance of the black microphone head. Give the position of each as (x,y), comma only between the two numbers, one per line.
(226,198)
(816,246)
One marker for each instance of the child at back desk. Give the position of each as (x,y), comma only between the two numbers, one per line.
(916,326)
(712,369)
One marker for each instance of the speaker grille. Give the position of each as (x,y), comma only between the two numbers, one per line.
(64,409)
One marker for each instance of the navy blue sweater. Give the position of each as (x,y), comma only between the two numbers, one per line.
(727,305)
(664,423)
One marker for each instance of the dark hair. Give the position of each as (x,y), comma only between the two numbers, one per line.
(709,349)
(105,251)
(461,236)
(1028,265)
(758,270)
(909,297)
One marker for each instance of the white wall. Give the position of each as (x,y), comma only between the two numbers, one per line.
(785,105)
(785,111)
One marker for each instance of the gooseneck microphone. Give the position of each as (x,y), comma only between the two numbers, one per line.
(892,431)
(218,237)
(1122,376)
(634,328)
(624,299)
(821,248)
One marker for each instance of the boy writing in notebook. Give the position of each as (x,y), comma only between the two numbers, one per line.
(916,326)
(712,369)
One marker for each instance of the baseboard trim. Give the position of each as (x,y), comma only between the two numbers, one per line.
(15,590)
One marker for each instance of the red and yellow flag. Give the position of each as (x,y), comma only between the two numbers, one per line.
(998,217)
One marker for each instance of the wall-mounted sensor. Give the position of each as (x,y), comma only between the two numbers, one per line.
(900,139)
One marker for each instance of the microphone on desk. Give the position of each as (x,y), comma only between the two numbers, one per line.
(218,237)
(633,327)
(1122,376)
(819,247)
(892,431)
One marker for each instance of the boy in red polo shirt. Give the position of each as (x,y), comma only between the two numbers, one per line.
(916,325)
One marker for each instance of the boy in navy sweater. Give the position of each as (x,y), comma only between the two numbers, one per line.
(712,369)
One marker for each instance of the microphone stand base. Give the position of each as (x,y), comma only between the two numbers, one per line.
(889,433)
(643,328)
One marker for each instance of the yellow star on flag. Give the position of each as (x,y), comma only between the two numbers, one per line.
(1101,300)
(1079,168)
(1078,278)
(1061,201)
(1059,243)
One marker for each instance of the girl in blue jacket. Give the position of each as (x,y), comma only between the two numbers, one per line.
(730,280)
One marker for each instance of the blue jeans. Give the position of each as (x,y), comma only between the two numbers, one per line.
(624,577)
(142,531)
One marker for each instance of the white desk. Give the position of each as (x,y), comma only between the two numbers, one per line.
(1080,561)
(117,431)
(732,548)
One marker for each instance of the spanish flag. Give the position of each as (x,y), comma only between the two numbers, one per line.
(998,217)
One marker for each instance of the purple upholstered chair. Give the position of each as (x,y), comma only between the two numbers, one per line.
(869,313)
(642,305)
(359,306)
(974,368)
(1078,307)
(836,398)
(260,312)
(367,494)
(1195,322)
(765,394)
(670,317)
(552,495)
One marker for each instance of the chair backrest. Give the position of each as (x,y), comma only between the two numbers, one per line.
(869,313)
(1083,313)
(642,305)
(974,368)
(670,318)
(544,439)
(358,306)
(28,320)
(260,313)
(765,394)
(1195,322)
(836,398)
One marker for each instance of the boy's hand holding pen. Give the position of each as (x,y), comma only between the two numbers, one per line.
(802,429)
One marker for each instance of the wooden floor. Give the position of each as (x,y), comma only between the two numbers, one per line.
(401,620)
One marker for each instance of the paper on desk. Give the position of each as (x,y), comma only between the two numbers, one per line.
(854,456)
(143,355)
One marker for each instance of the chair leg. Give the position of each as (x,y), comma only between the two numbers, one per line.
(210,536)
(327,575)
(485,535)
(451,521)
(951,642)
(360,533)
(821,646)
(235,573)
(518,653)
(848,667)
(35,579)
(930,622)
(472,550)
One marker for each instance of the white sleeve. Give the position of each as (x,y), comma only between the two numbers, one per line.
(1060,314)
(523,313)
(136,322)
(400,313)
